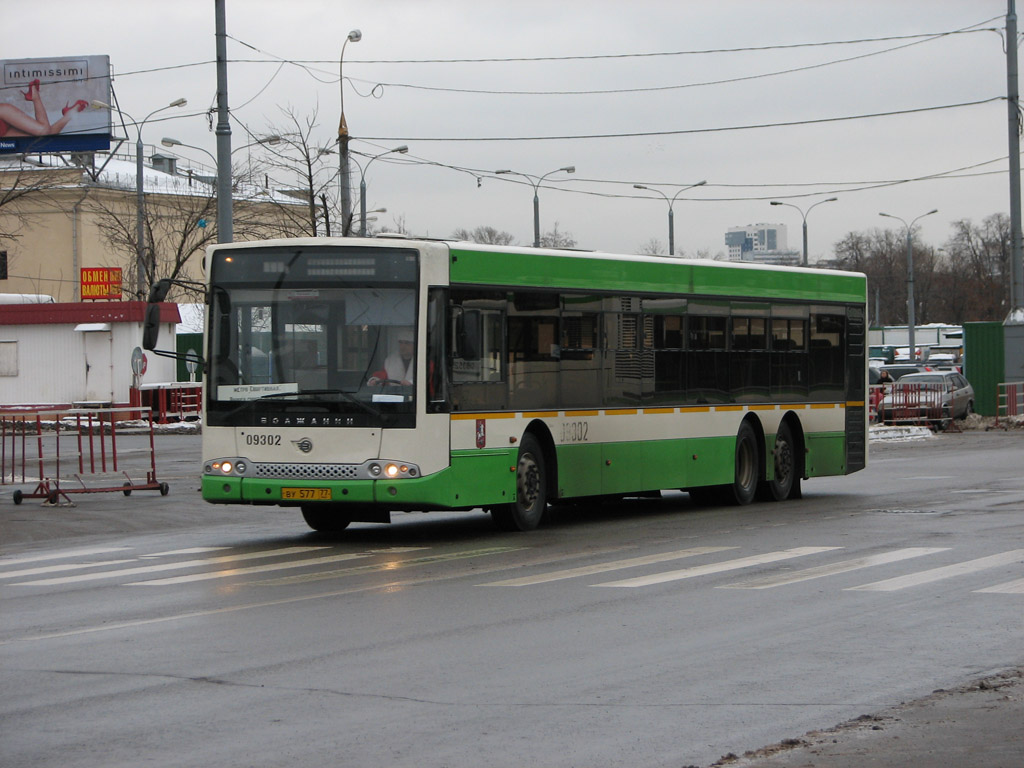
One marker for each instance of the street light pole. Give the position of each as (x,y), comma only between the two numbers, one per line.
(362,185)
(911,320)
(671,217)
(536,195)
(140,198)
(345,191)
(804,215)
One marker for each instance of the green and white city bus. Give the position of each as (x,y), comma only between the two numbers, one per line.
(533,376)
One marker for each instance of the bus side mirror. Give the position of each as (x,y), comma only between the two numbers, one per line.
(151,327)
(468,334)
(159,290)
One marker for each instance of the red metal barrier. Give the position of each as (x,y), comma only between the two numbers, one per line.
(180,400)
(46,447)
(918,403)
(1010,400)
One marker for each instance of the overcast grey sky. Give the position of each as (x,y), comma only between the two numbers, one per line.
(664,123)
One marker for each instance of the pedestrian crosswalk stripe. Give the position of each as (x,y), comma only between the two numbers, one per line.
(728,565)
(946,572)
(792,577)
(1015,587)
(62,568)
(590,570)
(167,566)
(250,569)
(62,555)
(389,566)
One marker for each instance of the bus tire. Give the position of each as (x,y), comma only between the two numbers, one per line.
(780,486)
(525,513)
(747,463)
(326,518)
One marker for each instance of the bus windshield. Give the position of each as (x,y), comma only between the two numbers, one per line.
(312,336)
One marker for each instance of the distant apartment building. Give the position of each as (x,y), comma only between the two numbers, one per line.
(763,243)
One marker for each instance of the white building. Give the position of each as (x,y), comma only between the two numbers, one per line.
(60,354)
(761,243)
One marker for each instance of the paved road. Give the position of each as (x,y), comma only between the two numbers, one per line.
(656,633)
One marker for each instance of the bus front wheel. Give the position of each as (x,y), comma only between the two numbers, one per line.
(744,486)
(525,512)
(325,518)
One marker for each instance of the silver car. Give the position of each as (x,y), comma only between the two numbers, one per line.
(935,398)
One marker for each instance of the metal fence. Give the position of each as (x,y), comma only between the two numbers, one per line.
(56,450)
(1010,400)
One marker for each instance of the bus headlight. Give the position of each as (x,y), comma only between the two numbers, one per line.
(226,467)
(390,470)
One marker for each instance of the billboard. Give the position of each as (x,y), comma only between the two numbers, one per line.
(101,283)
(45,104)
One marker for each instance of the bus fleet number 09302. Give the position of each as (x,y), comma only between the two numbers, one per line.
(262,439)
(575,431)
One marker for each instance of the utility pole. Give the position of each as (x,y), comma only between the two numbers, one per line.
(225,226)
(1013,113)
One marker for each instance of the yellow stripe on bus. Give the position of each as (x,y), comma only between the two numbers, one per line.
(573,414)
(621,412)
(540,414)
(659,410)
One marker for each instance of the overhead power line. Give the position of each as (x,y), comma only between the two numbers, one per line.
(685,131)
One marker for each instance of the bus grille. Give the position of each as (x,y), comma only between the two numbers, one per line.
(308,471)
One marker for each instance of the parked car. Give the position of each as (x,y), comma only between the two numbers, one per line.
(899,370)
(936,398)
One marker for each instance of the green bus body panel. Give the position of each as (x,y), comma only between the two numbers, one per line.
(826,455)
(484,478)
(644,466)
(547,270)
(475,478)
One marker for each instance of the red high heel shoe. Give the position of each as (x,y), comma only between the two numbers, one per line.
(78,106)
(34,85)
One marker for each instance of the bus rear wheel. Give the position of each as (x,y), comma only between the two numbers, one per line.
(326,518)
(748,460)
(780,486)
(525,513)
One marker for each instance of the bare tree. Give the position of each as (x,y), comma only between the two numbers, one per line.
(299,159)
(652,247)
(25,188)
(557,239)
(484,234)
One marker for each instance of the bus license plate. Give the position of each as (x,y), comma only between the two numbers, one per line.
(306,494)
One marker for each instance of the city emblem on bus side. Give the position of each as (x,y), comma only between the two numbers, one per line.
(481,433)
(305,444)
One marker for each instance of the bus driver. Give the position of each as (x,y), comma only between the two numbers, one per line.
(399,365)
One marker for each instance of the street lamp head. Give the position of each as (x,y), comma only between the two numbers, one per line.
(830,200)
(640,186)
(569,169)
(355,36)
(775,202)
(97,104)
(701,183)
(169,142)
(402,149)
(505,170)
(178,103)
